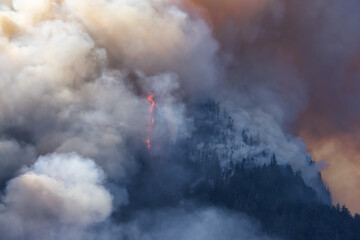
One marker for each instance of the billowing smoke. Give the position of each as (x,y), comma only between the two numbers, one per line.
(300,62)
(199,224)
(69,86)
(76,75)
(58,190)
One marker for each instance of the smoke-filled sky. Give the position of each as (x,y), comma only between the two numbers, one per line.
(306,53)
(75,77)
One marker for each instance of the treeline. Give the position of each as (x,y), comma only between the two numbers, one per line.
(278,197)
(274,195)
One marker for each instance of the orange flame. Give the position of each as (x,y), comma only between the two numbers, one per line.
(148,144)
(150,98)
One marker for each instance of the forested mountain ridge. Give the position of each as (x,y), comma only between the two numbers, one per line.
(280,200)
(218,175)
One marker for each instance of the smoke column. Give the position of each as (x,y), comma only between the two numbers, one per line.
(77,78)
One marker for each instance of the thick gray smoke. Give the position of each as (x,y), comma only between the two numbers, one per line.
(75,78)
(200,224)
(62,89)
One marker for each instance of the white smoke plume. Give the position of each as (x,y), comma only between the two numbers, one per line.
(75,76)
(200,224)
(57,191)
(65,69)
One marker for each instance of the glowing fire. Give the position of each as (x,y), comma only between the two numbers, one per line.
(151,120)
(148,144)
(151,100)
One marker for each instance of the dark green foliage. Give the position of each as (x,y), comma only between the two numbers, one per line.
(274,195)
(280,200)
